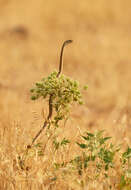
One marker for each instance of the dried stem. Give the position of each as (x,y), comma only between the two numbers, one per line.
(51,96)
(61,55)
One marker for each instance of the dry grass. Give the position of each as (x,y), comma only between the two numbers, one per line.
(31,34)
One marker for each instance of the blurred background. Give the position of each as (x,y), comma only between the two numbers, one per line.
(31,35)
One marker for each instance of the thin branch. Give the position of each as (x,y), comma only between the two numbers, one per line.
(61,55)
(40,131)
(51,96)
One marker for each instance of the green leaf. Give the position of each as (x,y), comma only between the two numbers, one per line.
(65,141)
(102,140)
(57,165)
(86,138)
(127,154)
(106,175)
(33,98)
(32,90)
(82,145)
(90,134)
(122,181)
(93,158)
(106,167)
(54,179)
(85,87)
(56,144)
(38,145)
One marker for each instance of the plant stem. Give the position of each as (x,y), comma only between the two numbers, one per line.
(61,55)
(51,96)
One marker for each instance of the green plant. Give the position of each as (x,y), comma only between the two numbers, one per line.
(95,149)
(125,182)
(60,91)
(98,160)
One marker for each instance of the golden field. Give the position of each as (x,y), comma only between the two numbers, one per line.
(31,35)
